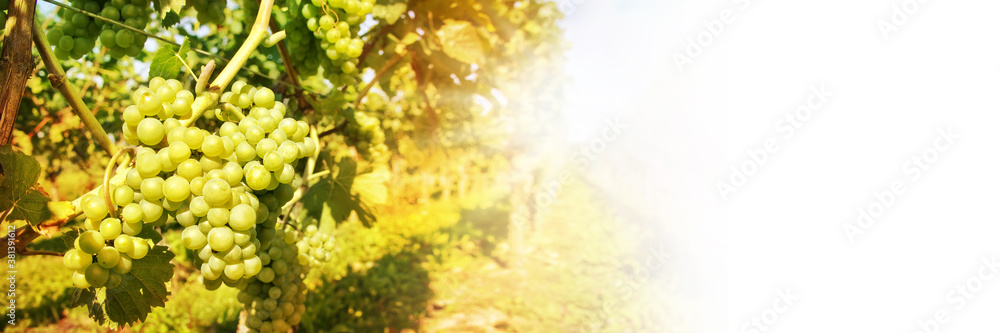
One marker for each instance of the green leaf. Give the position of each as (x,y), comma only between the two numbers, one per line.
(88,298)
(370,186)
(460,40)
(30,207)
(170,19)
(333,197)
(164,6)
(142,289)
(168,60)
(20,173)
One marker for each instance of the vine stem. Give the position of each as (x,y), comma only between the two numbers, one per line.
(381,72)
(57,76)
(41,253)
(258,33)
(106,189)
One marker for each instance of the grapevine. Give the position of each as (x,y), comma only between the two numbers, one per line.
(204,183)
(77,33)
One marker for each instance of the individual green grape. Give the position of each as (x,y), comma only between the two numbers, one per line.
(273,161)
(264,97)
(213,146)
(152,189)
(96,275)
(66,43)
(243,238)
(242,217)
(139,249)
(90,242)
(110,228)
(123,195)
(94,208)
(123,243)
(254,135)
(210,163)
(150,131)
(147,165)
(289,152)
(179,152)
(132,228)
(76,259)
(258,178)
(197,185)
(193,239)
(80,280)
(218,216)
(166,164)
(221,238)
(151,211)
(123,38)
(286,175)
(194,138)
(265,146)
(245,152)
(216,192)
(234,271)
(176,188)
(189,169)
(108,257)
(132,213)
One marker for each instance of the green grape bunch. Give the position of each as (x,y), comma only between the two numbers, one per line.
(274,299)
(334,27)
(77,33)
(209,11)
(315,247)
(365,134)
(225,188)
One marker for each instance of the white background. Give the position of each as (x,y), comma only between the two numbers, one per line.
(784,228)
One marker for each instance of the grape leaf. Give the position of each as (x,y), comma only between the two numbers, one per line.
(164,6)
(141,289)
(168,60)
(20,173)
(170,18)
(460,40)
(371,186)
(333,196)
(88,297)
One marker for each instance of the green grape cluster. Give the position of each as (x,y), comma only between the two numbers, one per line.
(334,26)
(364,133)
(105,250)
(274,299)
(209,11)
(316,247)
(224,188)
(76,34)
